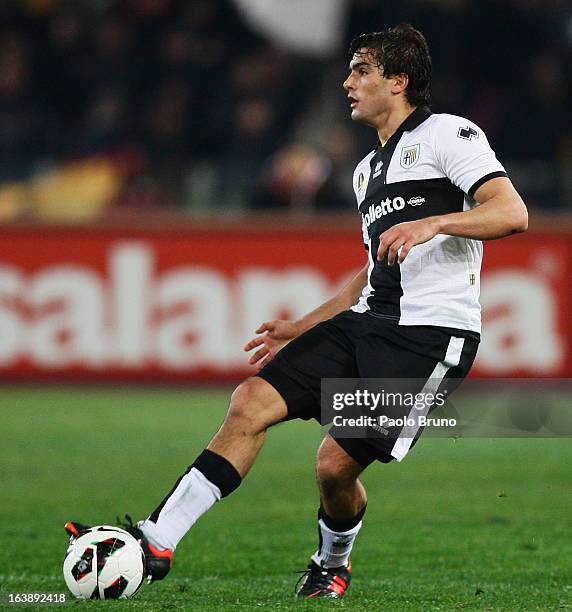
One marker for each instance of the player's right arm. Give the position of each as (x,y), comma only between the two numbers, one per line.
(274,335)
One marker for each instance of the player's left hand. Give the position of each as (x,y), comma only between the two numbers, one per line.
(275,335)
(405,236)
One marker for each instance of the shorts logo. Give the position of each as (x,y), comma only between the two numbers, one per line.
(410,156)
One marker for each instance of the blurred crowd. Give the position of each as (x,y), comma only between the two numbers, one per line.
(178,104)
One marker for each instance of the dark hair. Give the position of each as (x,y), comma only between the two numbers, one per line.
(400,50)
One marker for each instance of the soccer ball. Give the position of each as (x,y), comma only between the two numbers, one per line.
(104,563)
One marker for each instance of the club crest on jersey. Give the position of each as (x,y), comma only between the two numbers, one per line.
(410,156)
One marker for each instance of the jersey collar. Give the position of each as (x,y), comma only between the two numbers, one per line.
(415,119)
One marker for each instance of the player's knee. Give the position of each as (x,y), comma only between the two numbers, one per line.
(333,473)
(244,405)
(251,406)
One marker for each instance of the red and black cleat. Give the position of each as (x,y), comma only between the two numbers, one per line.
(75,530)
(157,562)
(324,582)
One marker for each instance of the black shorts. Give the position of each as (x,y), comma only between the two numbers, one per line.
(362,345)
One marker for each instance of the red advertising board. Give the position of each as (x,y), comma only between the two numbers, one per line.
(178,305)
(525,296)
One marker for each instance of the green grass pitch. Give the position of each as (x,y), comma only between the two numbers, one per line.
(472,524)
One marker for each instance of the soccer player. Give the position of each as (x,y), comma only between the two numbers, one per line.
(428,193)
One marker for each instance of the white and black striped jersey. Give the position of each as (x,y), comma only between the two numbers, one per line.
(432,165)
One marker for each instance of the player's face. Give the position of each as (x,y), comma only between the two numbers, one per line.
(369,92)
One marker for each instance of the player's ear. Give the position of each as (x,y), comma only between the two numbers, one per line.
(400,83)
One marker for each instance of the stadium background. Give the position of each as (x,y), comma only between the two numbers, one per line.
(172,173)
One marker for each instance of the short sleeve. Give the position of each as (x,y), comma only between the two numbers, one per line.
(464,153)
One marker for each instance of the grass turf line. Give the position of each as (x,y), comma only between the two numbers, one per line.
(459,525)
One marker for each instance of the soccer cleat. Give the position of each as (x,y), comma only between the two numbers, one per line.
(324,582)
(157,562)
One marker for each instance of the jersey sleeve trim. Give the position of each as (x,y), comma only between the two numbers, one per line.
(484,179)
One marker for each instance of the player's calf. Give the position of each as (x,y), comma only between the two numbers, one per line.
(219,469)
(342,494)
(340,517)
(254,407)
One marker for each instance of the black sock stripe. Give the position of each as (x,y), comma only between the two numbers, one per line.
(343,524)
(219,471)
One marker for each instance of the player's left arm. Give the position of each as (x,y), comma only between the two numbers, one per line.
(500,212)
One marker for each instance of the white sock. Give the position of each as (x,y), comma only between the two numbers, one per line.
(194,495)
(335,547)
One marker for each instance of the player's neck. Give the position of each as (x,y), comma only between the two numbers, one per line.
(391,120)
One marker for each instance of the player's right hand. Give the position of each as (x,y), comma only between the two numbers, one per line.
(275,335)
